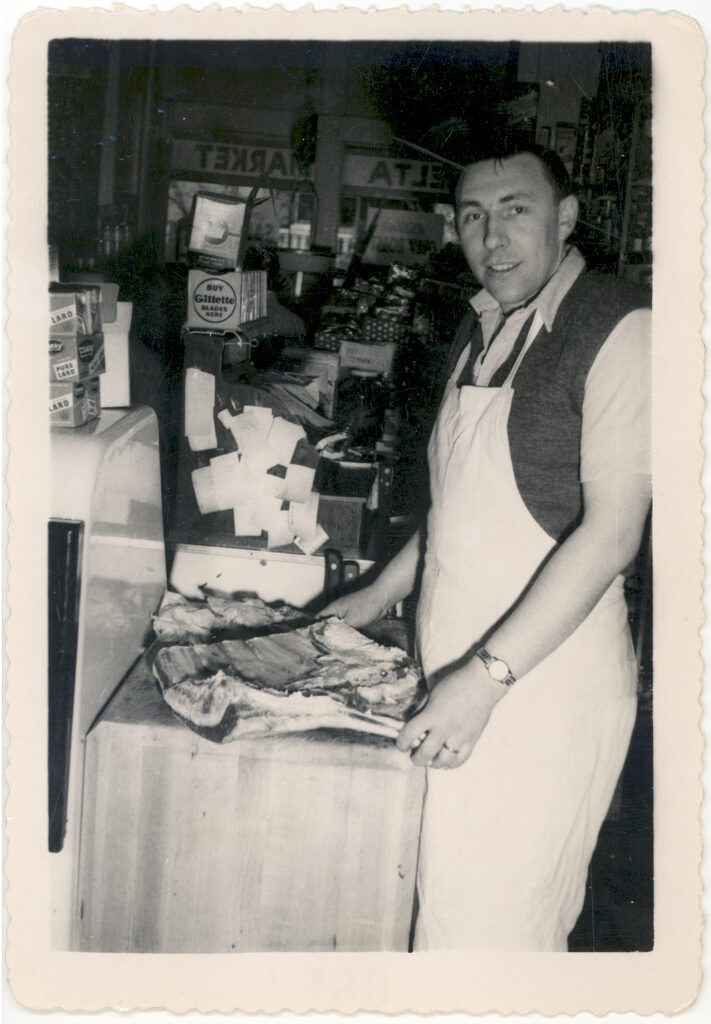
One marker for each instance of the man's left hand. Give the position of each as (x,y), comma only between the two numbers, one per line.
(445,732)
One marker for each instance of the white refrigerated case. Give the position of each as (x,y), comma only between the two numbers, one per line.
(105,506)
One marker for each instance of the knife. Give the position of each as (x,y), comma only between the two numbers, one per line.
(338,573)
(333,573)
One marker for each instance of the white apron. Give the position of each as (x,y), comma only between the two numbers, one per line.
(508,836)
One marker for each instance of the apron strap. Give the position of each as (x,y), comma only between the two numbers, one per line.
(468,334)
(501,375)
(467,375)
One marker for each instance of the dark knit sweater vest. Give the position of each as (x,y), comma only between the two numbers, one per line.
(546,413)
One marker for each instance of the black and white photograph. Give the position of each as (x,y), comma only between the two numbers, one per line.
(359,627)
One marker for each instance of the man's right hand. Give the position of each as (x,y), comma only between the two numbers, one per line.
(358,609)
(393,584)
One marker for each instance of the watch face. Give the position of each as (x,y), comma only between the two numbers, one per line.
(498,670)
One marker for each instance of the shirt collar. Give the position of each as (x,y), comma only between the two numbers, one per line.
(550,296)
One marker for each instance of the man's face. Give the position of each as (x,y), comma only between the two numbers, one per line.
(512,226)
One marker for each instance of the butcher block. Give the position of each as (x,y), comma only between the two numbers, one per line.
(301,842)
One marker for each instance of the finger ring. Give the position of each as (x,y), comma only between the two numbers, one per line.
(450,749)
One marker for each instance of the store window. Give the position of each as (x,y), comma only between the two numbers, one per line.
(405,230)
(389,206)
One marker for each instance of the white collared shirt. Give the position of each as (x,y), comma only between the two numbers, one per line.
(545,304)
(616,424)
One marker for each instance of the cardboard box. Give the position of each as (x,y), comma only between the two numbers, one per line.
(217,229)
(73,403)
(116,381)
(378,357)
(76,358)
(222,302)
(74,310)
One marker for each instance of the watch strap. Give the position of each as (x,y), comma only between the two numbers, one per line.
(507,676)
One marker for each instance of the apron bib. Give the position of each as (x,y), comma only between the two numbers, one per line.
(508,836)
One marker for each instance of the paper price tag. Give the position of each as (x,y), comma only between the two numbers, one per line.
(248,432)
(303,516)
(298,483)
(245,524)
(279,533)
(310,545)
(282,440)
(225,479)
(199,402)
(262,414)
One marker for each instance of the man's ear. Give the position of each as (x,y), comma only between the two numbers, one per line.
(567,216)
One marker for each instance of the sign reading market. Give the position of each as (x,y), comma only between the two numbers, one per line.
(235,160)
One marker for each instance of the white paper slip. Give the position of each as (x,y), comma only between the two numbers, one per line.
(225,417)
(244,521)
(275,485)
(267,509)
(303,515)
(310,545)
(299,482)
(199,403)
(225,479)
(202,443)
(246,483)
(248,432)
(204,488)
(259,460)
(263,415)
(282,440)
(227,462)
(279,533)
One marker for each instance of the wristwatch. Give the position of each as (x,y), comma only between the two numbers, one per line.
(497,669)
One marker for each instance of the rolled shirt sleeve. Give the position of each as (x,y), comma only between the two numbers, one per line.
(617,405)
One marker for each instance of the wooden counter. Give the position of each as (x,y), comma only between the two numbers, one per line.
(299,843)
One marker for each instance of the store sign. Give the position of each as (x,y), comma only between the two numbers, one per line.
(405,236)
(392,174)
(234,160)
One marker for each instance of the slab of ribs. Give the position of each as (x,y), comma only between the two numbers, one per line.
(235,667)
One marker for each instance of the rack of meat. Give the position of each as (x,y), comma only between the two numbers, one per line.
(294,675)
(180,621)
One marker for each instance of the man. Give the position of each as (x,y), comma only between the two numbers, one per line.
(540,483)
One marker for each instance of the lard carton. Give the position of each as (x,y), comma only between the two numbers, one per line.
(76,358)
(73,403)
(74,310)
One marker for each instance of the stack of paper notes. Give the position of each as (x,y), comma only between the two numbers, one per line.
(267,482)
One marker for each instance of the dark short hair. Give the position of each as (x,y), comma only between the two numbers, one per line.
(508,147)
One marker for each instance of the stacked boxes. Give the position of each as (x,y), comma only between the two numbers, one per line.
(73,402)
(76,353)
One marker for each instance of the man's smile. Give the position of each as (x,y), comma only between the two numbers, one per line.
(501,268)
